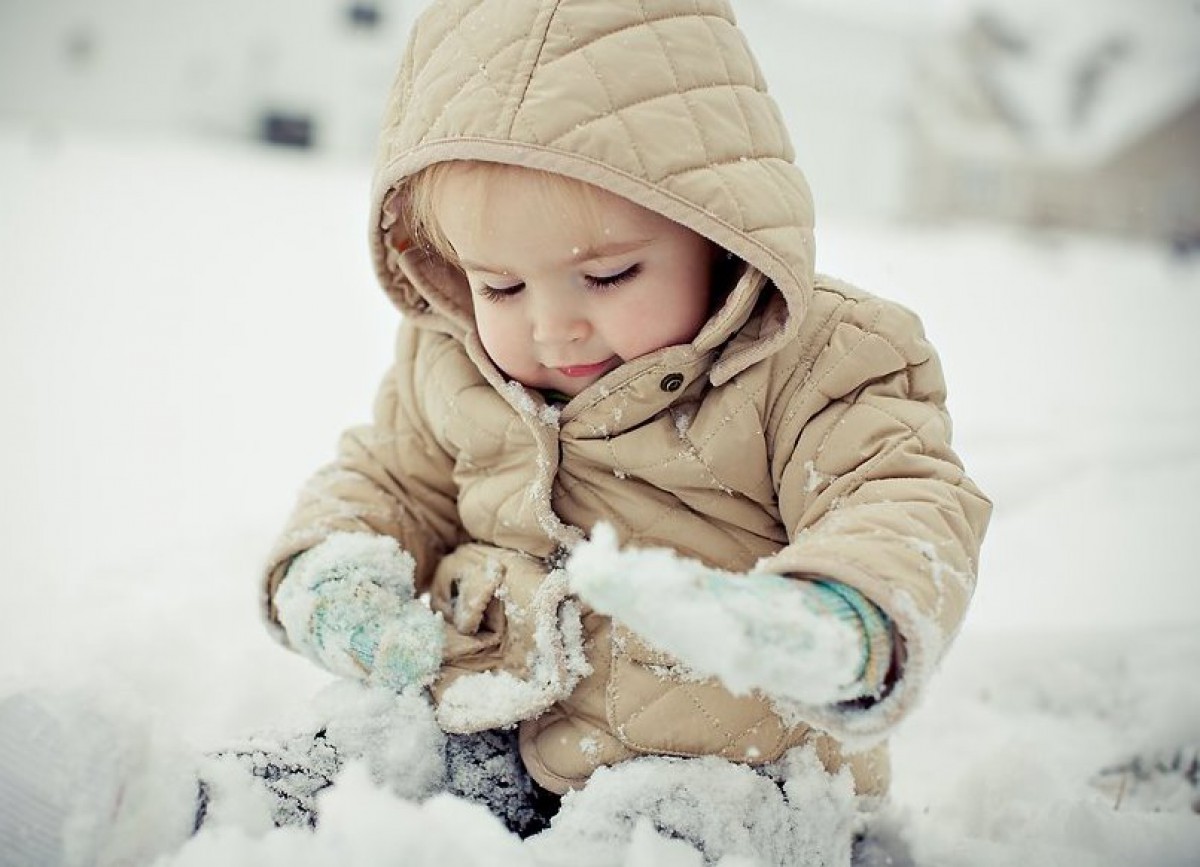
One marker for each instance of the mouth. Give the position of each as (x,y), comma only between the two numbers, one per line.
(577,371)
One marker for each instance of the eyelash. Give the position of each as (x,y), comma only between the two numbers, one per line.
(502,293)
(491,293)
(614,279)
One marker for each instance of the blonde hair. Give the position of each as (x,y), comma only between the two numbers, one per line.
(423,190)
(576,200)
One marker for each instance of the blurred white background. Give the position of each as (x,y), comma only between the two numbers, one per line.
(1075,113)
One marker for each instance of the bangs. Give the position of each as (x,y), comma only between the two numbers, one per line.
(570,200)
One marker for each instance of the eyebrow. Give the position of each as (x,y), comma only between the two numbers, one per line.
(578,255)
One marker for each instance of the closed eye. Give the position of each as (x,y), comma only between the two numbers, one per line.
(499,293)
(608,281)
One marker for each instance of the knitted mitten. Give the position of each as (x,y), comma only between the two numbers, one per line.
(802,639)
(348,605)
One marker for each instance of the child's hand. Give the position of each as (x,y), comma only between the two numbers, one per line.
(348,605)
(790,638)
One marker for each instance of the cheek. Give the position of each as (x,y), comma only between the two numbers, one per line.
(687,309)
(496,332)
(663,315)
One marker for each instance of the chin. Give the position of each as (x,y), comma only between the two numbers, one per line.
(570,389)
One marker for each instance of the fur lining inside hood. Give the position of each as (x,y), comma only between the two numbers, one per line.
(661,103)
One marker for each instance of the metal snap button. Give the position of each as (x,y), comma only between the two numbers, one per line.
(671,382)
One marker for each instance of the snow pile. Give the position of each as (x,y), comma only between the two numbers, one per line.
(723,813)
(1028,752)
(654,811)
(363,825)
(83,781)
(395,735)
(751,633)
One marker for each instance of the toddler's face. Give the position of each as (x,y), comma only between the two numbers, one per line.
(564,293)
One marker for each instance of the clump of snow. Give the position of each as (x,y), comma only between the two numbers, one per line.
(724,813)
(555,664)
(519,396)
(485,698)
(773,640)
(861,728)
(357,557)
(364,825)
(395,735)
(571,625)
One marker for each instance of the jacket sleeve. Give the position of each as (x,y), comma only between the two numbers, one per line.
(390,477)
(873,496)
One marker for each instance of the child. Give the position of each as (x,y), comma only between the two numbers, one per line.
(588,215)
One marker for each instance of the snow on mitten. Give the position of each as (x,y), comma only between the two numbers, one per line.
(497,698)
(810,641)
(348,605)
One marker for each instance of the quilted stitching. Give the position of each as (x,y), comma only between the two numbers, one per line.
(661,102)
(728,742)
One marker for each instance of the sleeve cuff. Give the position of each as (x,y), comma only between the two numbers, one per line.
(849,605)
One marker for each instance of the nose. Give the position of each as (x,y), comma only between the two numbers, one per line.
(558,321)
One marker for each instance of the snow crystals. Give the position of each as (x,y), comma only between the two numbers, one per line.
(519,396)
(773,642)
(814,478)
(677,812)
(493,699)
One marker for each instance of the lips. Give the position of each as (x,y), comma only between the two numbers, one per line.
(577,371)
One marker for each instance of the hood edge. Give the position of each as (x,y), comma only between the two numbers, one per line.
(796,289)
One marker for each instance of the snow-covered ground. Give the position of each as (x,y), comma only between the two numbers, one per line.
(184,331)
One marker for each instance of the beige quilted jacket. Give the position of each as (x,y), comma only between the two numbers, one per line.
(803,431)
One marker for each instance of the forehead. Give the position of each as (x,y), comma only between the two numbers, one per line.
(500,205)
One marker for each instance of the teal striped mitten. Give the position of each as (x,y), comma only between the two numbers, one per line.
(348,605)
(803,639)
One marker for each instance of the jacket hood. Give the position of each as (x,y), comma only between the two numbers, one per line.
(659,102)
